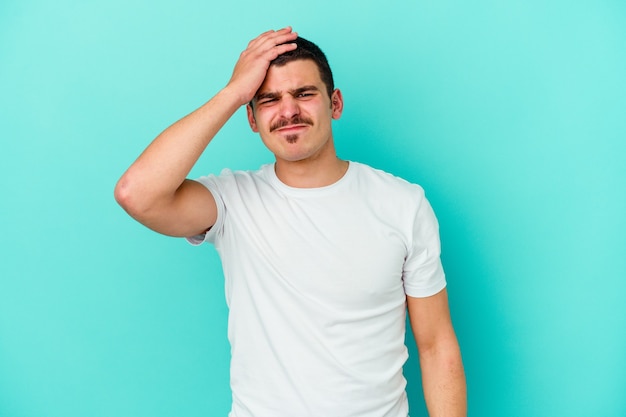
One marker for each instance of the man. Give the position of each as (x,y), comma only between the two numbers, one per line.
(321,256)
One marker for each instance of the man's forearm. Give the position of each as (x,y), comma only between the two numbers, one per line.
(443,380)
(166,162)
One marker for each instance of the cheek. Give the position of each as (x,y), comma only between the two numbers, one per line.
(263,121)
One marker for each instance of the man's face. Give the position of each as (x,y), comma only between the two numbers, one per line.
(292,112)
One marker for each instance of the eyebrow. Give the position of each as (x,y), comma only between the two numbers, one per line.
(273,95)
(303,89)
(268,95)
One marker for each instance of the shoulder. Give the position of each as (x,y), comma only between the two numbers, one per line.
(228,177)
(386,183)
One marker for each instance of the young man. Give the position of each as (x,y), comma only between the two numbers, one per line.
(321,256)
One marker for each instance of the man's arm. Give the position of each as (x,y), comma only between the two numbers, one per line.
(443,377)
(154,190)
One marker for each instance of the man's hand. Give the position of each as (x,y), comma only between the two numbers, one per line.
(251,69)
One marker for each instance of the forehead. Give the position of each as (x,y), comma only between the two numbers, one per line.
(291,76)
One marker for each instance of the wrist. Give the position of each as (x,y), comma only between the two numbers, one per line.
(235,95)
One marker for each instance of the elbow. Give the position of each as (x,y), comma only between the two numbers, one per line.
(122,192)
(446,357)
(126,196)
(138,200)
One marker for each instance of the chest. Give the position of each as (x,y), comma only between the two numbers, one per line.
(345,250)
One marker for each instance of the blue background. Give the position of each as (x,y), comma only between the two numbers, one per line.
(510,114)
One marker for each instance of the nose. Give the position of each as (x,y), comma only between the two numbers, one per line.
(289,107)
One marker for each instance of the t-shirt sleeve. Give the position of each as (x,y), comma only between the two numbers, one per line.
(423,273)
(211,182)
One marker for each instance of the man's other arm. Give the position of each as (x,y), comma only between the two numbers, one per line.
(154,190)
(443,377)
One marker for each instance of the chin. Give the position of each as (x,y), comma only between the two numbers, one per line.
(292,156)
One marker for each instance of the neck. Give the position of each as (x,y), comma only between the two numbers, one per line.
(311,174)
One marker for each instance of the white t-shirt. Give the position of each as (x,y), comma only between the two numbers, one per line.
(316,284)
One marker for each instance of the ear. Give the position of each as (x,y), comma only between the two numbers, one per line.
(251,118)
(336,104)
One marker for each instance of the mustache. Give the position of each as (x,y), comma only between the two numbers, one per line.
(295,120)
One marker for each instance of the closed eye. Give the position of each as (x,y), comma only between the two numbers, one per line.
(266,100)
(305,95)
(305,91)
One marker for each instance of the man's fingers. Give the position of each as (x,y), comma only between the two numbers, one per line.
(271,38)
(260,37)
(251,68)
(270,45)
(275,46)
(285,47)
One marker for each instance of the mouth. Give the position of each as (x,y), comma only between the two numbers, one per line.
(291,128)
